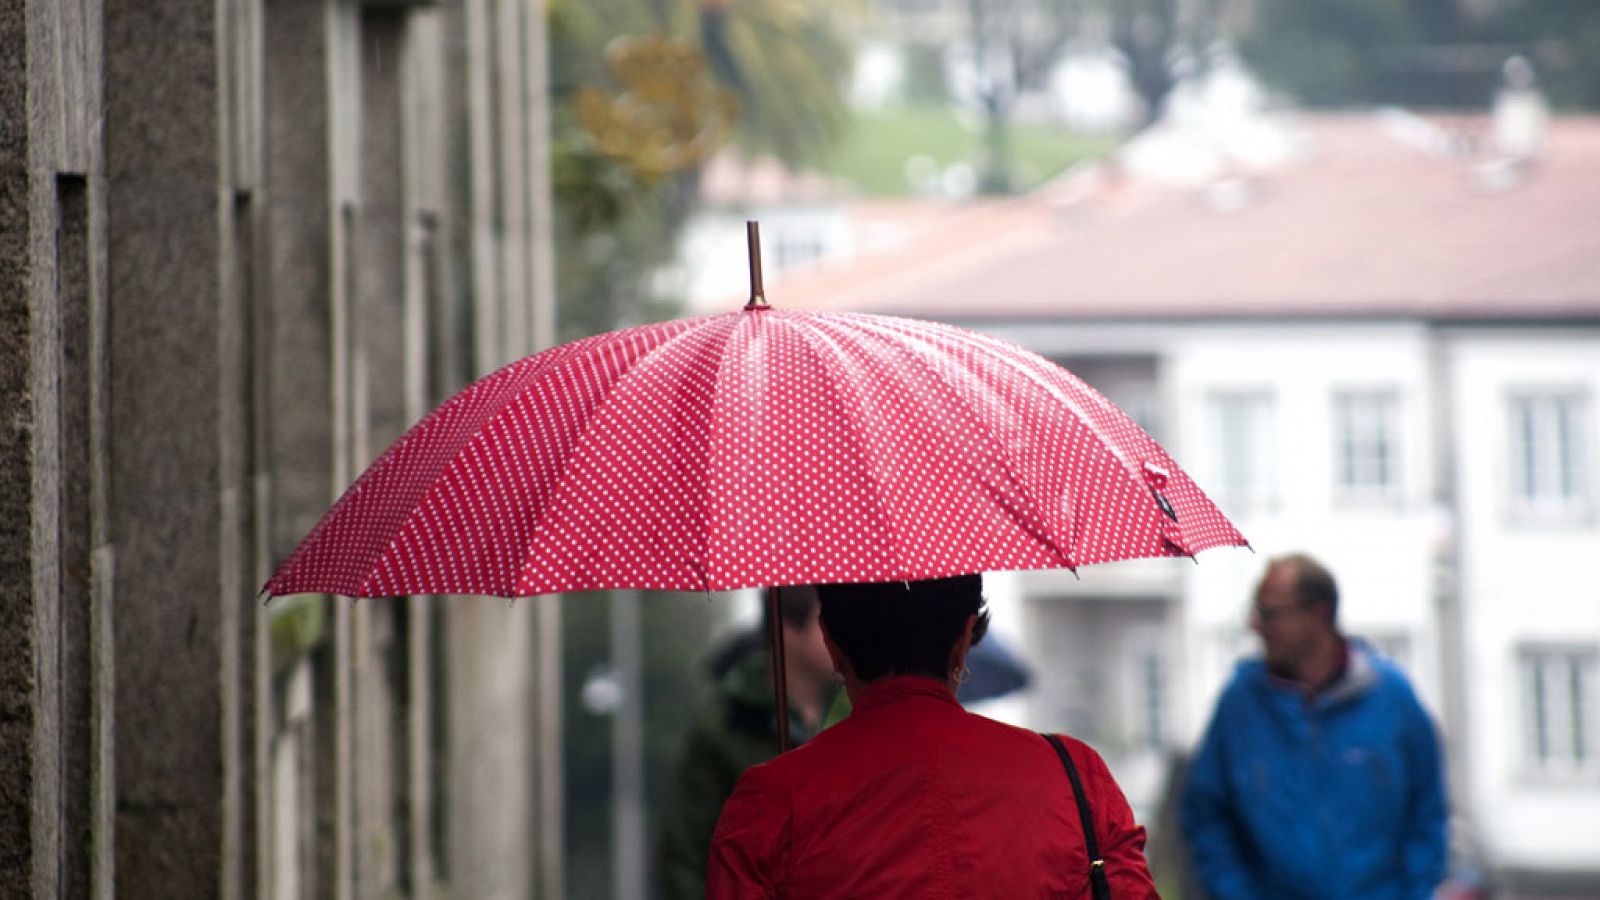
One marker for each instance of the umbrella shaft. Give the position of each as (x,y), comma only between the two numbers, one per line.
(780,669)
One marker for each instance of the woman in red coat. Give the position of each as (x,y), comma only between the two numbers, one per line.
(911,795)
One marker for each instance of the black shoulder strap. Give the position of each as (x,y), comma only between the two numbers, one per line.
(1097,865)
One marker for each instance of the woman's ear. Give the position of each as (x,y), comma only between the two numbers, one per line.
(958,653)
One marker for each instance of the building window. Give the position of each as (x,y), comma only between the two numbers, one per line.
(1243,456)
(1561,710)
(1131,382)
(1547,453)
(1367,426)
(1152,706)
(795,248)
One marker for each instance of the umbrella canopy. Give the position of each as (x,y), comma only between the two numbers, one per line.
(760,447)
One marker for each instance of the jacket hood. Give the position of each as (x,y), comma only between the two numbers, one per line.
(746,694)
(1361,675)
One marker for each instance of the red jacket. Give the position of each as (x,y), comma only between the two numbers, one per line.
(913,796)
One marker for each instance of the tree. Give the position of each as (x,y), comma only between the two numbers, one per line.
(1154,36)
(1327,53)
(1015,45)
(645,92)
(1018,43)
(1562,38)
(1431,53)
(789,62)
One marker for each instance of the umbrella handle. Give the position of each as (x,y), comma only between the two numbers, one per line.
(758,299)
(780,668)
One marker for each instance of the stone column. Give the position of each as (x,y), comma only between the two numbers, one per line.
(55,698)
(181,133)
(379,374)
(496,656)
(305,823)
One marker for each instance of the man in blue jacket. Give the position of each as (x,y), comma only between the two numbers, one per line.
(1319,775)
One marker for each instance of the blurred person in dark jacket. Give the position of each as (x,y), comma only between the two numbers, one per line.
(738,730)
(1320,774)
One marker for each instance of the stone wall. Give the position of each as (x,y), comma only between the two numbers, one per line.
(55,705)
(243,245)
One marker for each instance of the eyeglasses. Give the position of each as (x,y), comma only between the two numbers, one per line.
(1266,615)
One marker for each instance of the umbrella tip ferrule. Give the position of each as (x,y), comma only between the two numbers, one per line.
(758,296)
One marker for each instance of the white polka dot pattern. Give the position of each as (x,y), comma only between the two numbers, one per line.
(762,447)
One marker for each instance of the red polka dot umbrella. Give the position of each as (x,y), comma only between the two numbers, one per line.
(760,447)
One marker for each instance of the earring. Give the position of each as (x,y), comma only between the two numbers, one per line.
(962,674)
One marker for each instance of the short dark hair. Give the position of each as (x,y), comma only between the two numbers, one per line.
(902,628)
(1313,583)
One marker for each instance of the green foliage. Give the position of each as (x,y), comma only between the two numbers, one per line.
(925,79)
(1562,38)
(295,625)
(1017,44)
(873,155)
(787,60)
(613,229)
(1329,53)
(790,63)
(613,226)
(1422,52)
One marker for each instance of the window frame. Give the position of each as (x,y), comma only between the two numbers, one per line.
(1388,403)
(1263,495)
(1548,707)
(1539,506)
(1152,714)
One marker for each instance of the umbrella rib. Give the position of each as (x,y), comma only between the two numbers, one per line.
(1043,373)
(537,364)
(839,380)
(1066,555)
(707,497)
(582,438)
(366,570)
(1040,531)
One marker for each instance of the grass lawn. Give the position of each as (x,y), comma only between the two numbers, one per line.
(874,151)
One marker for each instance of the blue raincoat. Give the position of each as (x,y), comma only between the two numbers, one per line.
(1334,795)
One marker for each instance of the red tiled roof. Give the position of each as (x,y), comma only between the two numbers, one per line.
(1362,227)
(734,180)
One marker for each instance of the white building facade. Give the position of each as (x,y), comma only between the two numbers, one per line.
(1527,465)
(1446,474)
